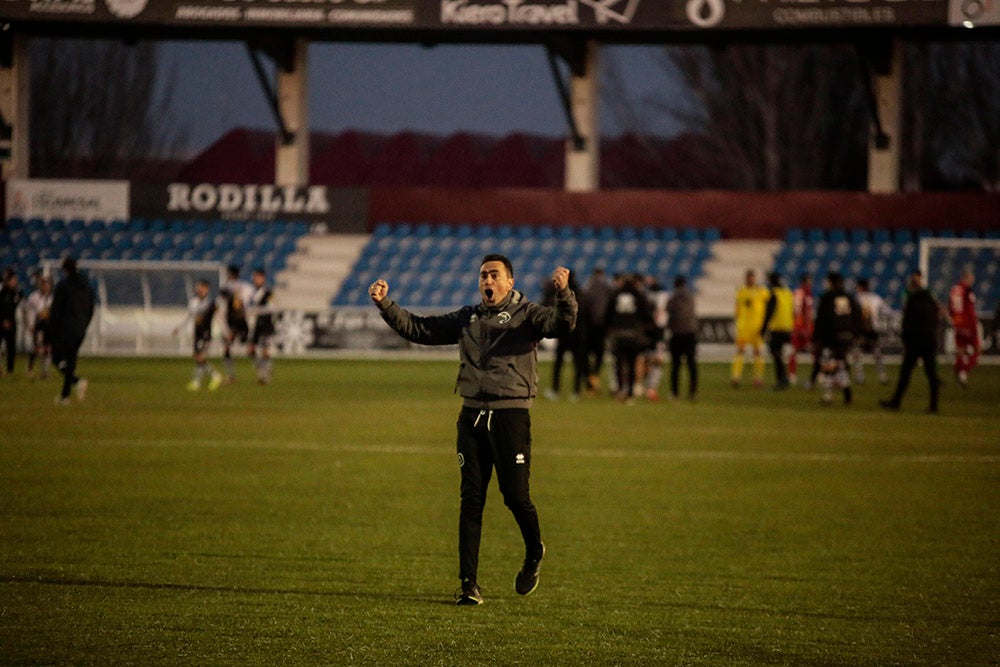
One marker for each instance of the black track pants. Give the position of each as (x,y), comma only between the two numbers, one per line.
(489,439)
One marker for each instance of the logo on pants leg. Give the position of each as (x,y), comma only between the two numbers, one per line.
(461,460)
(519,459)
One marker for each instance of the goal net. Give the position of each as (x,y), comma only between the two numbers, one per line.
(942,262)
(140,303)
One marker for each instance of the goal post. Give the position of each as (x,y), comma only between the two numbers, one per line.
(942,262)
(140,303)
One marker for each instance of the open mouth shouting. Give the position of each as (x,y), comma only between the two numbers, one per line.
(495,282)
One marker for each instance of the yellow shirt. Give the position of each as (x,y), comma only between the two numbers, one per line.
(783,317)
(750,305)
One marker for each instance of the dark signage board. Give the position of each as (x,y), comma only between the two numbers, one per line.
(510,16)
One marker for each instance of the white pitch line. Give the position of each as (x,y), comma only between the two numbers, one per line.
(605,453)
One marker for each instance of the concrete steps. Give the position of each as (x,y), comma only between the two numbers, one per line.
(724,273)
(316,270)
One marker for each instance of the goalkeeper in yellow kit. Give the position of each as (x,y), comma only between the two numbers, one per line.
(751,302)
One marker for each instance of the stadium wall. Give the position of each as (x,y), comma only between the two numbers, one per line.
(735,214)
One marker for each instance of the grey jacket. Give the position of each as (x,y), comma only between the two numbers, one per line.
(497,345)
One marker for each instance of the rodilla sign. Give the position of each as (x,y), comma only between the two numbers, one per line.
(247,201)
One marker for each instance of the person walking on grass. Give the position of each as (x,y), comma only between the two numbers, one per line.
(920,329)
(72,309)
(497,379)
(201,312)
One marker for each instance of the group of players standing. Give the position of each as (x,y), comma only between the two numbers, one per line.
(35,308)
(236,302)
(840,327)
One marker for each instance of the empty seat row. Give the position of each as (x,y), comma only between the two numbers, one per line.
(430,264)
(26,243)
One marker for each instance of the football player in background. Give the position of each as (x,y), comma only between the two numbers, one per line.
(236,295)
(261,305)
(36,311)
(803,307)
(965,322)
(751,301)
(875,317)
(201,310)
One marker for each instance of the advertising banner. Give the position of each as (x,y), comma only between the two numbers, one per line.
(512,15)
(69,199)
(341,209)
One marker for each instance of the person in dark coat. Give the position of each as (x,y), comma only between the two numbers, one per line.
(72,309)
(630,325)
(10,300)
(838,323)
(920,328)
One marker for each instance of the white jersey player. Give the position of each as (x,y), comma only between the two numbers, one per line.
(876,318)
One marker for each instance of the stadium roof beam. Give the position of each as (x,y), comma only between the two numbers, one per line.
(580,104)
(288,100)
(882,72)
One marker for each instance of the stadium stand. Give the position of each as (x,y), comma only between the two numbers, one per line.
(430,263)
(25,243)
(885,257)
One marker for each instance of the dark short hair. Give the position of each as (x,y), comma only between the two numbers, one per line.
(774,278)
(863,283)
(836,278)
(233,270)
(260,270)
(203,282)
(680,281)
(69,265)
(497,257)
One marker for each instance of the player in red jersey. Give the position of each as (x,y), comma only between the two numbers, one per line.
(804,305)
(965,321)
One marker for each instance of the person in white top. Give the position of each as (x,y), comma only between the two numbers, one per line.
(36,315)
(876,316)
(236,295)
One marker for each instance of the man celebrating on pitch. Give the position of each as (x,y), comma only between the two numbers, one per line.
(497,379)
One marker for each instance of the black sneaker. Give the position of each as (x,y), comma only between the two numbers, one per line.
(468,595)
(526,580)
(889,405)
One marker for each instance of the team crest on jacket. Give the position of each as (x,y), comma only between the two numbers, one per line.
(503,317)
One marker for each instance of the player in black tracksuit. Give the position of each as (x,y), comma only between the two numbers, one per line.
(497,379)
(838,323)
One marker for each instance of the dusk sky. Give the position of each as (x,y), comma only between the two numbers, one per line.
(390,87)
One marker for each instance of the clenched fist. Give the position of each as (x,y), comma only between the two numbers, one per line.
(378,290)
(560,277)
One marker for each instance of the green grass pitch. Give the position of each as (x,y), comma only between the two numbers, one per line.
(314,521)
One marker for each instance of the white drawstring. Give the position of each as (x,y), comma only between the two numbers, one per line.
(489,419)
